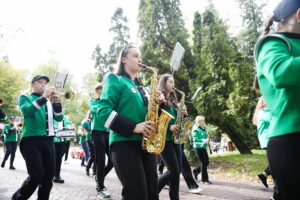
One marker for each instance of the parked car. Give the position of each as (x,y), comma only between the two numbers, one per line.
(77,153)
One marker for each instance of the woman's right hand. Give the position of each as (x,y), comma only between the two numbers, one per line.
(174,129)
(147,128)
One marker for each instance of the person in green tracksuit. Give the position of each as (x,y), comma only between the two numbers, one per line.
(278,59)
(122,109)
(200,144)
(84,133)
(98,146)
(60,148)
(37,146)
(10,141)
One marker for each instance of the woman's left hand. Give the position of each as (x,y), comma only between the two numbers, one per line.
(160,97)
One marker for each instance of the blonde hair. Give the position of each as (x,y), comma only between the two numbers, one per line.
(198,119)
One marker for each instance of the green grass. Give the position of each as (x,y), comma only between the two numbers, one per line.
(235,165)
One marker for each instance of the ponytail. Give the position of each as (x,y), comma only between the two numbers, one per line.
(268,25)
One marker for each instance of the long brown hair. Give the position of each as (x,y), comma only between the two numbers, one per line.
(171,98)
(120,69)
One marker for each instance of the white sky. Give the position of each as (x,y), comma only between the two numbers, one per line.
(68,30)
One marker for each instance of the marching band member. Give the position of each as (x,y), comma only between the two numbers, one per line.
(100,138)
(60,148)
(37,146)
(10,141)
(123,108)
(200,144)
(85,132)
(278,59)
(171,155)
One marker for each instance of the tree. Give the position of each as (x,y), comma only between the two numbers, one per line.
(161,25)
(12,84)
(216,69)
(252,26)
(105,61)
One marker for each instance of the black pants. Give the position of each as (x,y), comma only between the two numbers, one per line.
(38,153)
(60,148)
(136,169)
(11,148)
(203,156)
(67,150)
(92,155)
(172,157)
(101,147)
(284,159)
(187,172)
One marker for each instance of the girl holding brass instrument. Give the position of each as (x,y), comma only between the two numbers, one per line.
(171,155)
(123,106)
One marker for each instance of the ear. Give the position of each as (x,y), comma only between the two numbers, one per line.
(123,60)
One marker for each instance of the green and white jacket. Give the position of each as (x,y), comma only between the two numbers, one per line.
(10,133)
(200,138)
(39,114)
(121,107)
(278,68)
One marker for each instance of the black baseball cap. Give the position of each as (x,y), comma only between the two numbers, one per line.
(285,9)
(38,77)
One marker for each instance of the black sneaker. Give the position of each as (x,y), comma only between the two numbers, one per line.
(94,173)
(263,179)
(195,175)
(206,182)
(2,164)
(87,170)
(58,180)
(104,194)
(12,168)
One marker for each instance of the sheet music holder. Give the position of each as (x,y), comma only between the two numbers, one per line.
(60,79)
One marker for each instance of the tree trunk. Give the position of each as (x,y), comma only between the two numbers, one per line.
(236,139)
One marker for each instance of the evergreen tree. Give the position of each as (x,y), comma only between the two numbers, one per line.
(161,25)
(105,61)
(216,72)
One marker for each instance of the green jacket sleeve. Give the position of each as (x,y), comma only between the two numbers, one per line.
(93,106)
(5,129)
(277,65)
(29,108)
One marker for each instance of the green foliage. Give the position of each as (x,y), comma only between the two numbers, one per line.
(161,25)
(12,83)
(252,23)
(105,61)
(226,80)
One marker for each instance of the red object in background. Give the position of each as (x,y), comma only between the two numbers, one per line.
(77,153)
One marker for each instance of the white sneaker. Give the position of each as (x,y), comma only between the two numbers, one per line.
(195,190)
(104,194)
